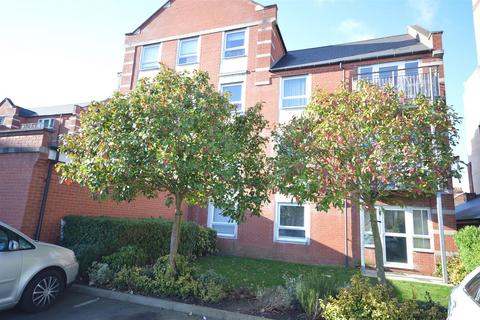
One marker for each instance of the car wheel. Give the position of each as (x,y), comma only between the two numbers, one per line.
(42,291)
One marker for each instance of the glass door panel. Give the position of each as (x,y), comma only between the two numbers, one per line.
(396,250)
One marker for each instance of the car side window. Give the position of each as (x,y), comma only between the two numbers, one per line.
(473,288)
(3,240)
(24,244)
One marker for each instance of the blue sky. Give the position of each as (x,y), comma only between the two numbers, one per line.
(63,51)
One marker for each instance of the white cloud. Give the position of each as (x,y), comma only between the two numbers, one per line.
(425,11)
(354,30)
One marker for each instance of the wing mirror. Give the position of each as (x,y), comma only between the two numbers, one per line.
(13,245)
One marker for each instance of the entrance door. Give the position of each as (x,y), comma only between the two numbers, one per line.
(396,253)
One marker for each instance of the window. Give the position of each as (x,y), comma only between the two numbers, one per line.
(291,223)
(188,51)
(235,91)
(366,73)
(3,240)
(421,235)
(367,231)
(473,288)
(150,58)
(223,225)
(46,123)
(2,120)
(234,44)
(294,92)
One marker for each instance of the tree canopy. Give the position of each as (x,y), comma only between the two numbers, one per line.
(176,134)
(366,145)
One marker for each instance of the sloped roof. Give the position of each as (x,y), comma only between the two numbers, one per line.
(469,210)
(51,110)
(354,51)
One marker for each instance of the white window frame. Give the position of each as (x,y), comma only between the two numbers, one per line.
(142,57)
(409,233)
(245,44)
(2,120)
(242,101)
(210,224)
(308,89)
(430,232)
(306,227)
(197,53)
(51,123)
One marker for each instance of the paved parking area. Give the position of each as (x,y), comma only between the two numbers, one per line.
(75,306)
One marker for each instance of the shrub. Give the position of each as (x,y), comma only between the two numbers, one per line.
(362,300)
(467,240)
(100,274)
(108,235)
(212,287)
(133,279)
(275,298)
(456,270)
(87,253)
(129,256)
(312,288)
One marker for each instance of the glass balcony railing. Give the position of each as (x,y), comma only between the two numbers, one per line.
(411,82)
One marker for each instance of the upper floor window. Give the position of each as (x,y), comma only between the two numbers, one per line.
(46,123)
(150,57)
(2,120)
(188,51)
(294,92)
(234,44)
(235,94)
(421,232)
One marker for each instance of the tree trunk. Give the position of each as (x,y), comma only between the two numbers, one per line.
(176,233)
(370,207)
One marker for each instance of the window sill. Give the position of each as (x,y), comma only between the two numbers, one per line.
(236,57)
(150,69)
(293,108)
(423,250)
(304,242)
(187,64)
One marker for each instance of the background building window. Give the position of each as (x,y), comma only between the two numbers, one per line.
(235,91)
(367,231)
(188,51)
(294,92)
(291,223)
(223,225)
(2,120)
(150,57)
(46,123)
(421,234)
(234,44)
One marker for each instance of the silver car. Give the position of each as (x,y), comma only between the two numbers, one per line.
(465,298)
(32,273)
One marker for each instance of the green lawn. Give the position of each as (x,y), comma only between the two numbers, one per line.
(255,273)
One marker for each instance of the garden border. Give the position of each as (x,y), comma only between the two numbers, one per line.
(163,304)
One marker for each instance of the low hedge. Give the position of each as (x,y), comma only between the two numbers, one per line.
(467,240)
(94,237)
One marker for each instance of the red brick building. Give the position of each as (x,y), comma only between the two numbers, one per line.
(241,46)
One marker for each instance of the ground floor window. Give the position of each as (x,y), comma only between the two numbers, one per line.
(225,227)
(291,223)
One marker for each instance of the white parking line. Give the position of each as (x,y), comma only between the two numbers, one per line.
(86,303)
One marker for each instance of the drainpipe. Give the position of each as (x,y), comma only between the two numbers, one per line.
(43,204)
(345,213)
(343,74)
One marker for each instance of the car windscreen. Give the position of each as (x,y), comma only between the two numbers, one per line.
(473,288)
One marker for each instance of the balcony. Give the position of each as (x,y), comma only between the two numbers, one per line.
(35,126)
(411,82)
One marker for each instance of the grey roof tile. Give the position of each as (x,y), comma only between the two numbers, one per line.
(353,51)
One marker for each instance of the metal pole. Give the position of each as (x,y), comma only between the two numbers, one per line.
(441,230)
(346,233)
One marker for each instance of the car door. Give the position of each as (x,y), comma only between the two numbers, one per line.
(10,268)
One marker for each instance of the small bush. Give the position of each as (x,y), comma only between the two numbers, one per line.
(312,288)
(133,279)
(212,287)
(456,270)
(102,236)
(100,274)
(275,298)
(377,302)
(129,256)
(467,240)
